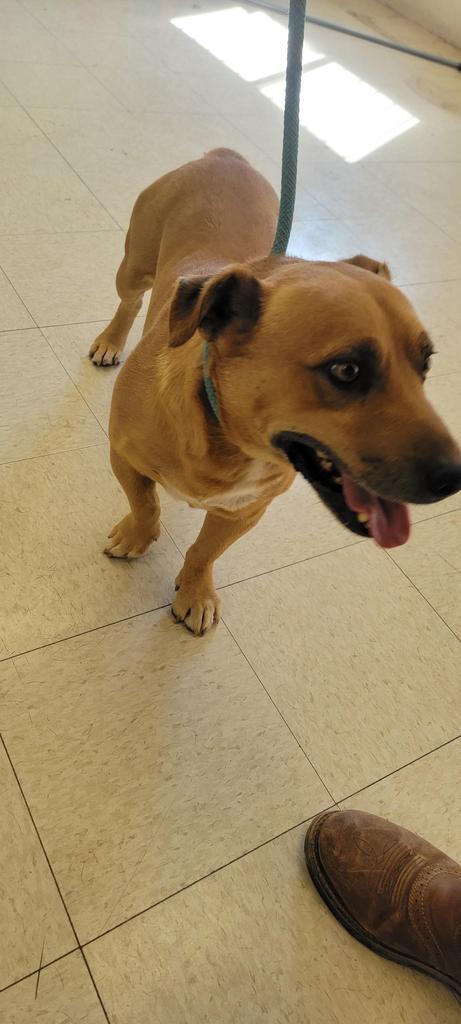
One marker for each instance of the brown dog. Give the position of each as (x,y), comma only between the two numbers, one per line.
(253,367)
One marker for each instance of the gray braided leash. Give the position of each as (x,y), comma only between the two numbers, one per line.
(296,22)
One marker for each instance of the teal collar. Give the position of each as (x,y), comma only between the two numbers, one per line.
(209,384)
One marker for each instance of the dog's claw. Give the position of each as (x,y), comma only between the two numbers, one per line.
(197,610)
(102,353)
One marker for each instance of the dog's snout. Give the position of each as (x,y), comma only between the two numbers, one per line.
(443,479)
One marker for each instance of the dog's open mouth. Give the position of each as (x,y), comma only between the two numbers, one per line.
(366,514)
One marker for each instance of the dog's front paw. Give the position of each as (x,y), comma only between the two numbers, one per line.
(103,353)
(130,539)
(197,605)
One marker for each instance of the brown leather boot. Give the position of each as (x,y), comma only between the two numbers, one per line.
(393,891)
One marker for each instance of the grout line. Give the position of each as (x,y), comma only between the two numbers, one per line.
(85,632)
(13,769)
(209,874)
(401,284)
(160,607)
(26,111)
(259,846)
(44,966)
(401,768)
(90,972)
(421,594)
(34,322)
(290,730)
(63,902)
(81,323)
(61,451)
(57,231)
(409,202)
(17,330)
(234,583)
(428,519)
(74,384)
(289,565)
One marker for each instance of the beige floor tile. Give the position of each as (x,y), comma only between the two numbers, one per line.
(40,409)
(437,300)
(335,641)
(13,313)
(439,306)
(151,760)
(265,128)
(432,560)
(444,393)
(295,527)
(32,912)
(415,249)
(90,139)
(434,189)
(148,88)
(321,240)
(429,136)
(254,942)
(350,191)
(6,99)
(114,48)
(135,19)
(421,513)
(65,994)
(15,124)
(310,211)
(23,38)
(56,582)
(52,85)
(71,343)
(423,797)
(58,17)
(41,193)
(67,277)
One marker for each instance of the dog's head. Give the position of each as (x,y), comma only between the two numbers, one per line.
(324,364)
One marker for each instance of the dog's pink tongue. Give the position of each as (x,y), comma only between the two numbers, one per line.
(389,521)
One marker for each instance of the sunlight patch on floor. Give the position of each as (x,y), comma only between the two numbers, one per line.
(349,115)
(253,45)
(346,113)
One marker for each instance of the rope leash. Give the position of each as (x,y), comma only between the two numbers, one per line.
(294,69)
(296,22)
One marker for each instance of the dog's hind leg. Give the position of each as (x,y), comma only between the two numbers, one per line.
(374,266)
(131,283)
(133,535)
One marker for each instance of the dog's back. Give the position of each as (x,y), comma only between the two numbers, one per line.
(211,212)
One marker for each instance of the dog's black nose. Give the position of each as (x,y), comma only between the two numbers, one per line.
(443,479)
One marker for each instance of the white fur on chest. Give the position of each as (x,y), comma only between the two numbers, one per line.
(248,489)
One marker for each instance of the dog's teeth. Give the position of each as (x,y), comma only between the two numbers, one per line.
(326,464)
(363,517)
(337,479)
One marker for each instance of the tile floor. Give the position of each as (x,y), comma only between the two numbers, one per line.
(155,788)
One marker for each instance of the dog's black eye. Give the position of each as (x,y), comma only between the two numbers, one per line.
(344,373)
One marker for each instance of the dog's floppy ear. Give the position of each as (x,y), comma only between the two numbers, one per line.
(381,269)
(209,304)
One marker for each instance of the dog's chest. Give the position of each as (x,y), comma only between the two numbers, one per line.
(247,490)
